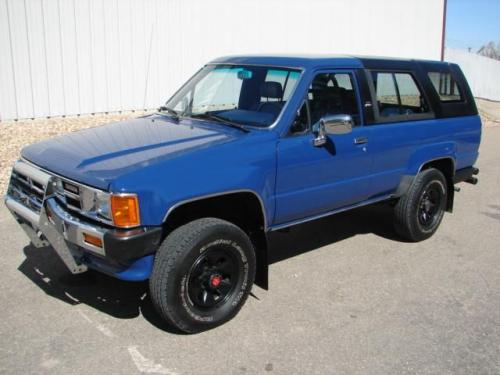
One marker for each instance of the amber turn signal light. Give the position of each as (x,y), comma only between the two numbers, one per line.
(125,210)
(92,240)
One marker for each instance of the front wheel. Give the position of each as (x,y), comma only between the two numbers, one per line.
(419,212)
(202,274)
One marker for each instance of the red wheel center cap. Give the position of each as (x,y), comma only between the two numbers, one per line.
(215,280)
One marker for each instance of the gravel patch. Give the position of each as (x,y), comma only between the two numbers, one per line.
(14,135)
(489,111)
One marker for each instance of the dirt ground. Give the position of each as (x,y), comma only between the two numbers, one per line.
(490,111)
(14,135)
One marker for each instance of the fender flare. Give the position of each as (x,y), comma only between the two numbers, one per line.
(407,179)
(259,239)
(219,194)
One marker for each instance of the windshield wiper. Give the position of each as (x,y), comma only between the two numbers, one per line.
(219,119)
(173,112)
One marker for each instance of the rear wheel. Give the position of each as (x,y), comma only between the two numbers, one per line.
(202,274)
(419,212)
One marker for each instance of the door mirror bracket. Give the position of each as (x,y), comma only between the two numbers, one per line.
(320,139)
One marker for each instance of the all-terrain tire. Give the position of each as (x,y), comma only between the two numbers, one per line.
(202,274)
(419,212)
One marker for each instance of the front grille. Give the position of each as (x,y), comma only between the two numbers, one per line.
(28,186)
(25,188)
(70,196)
(27,191)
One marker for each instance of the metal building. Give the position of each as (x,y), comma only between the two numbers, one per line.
(66,57)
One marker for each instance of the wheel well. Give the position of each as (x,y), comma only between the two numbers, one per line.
(447,167)
(243,209)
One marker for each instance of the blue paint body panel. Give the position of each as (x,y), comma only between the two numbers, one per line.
(167,162)
(139,270)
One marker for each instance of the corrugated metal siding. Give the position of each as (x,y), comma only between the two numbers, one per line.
(482,73)
(63,57)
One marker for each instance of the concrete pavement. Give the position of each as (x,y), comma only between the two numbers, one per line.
(346,297)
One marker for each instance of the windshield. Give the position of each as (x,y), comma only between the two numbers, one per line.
(246,95)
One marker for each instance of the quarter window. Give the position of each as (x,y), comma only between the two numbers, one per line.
(398,94)
(445,86)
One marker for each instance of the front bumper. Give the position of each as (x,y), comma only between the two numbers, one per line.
(126,254)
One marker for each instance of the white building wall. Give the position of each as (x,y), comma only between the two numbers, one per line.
(64,57)
(482,73)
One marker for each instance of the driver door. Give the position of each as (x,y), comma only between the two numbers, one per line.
(313,180)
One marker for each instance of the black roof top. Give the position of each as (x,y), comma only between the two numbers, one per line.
(314,61)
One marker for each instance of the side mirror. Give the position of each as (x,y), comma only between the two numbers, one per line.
(334,124)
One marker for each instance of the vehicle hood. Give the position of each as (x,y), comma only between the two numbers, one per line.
(98,155)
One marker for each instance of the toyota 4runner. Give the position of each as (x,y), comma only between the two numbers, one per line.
(186,197)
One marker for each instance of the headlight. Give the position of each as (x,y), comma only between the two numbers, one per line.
(102,204)
(94,203)
(121,210)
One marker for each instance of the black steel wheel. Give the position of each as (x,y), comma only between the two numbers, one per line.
(212,278)
(430,204)
(202,274)
(419,212)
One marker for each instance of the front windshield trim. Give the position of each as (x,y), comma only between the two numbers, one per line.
(299,69)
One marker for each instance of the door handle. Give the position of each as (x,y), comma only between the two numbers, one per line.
(360,140)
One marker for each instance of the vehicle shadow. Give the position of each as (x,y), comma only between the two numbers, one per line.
(300,239)
(117,298)
(127,300)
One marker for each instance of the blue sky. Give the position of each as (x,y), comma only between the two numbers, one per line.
(472,23)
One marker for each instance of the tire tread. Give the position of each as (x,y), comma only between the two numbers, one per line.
(403,211)
(167,257)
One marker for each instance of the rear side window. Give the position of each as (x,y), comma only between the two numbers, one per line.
(387,95)
(408,91)
(445,86)
(398,95)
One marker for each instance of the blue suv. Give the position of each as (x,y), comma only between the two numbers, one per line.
(186,197)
